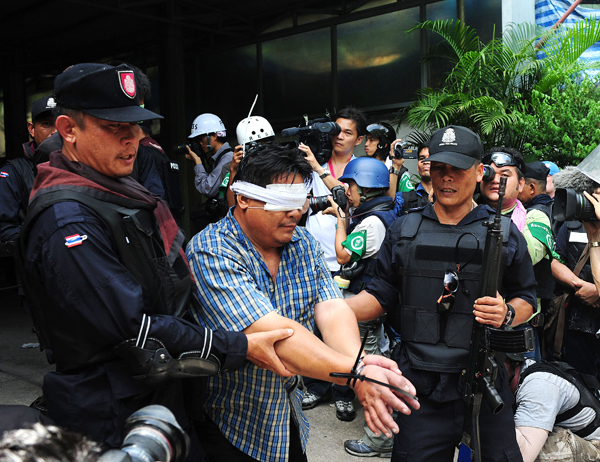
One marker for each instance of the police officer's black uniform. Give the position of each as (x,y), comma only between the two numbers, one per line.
(434,347)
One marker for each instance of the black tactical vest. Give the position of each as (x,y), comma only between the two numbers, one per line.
(424,250)
(587,385)
(165,281)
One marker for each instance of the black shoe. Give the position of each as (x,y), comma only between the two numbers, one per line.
(344,410)
(359,448)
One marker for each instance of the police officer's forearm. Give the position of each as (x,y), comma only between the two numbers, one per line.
(365,306)
(523,310)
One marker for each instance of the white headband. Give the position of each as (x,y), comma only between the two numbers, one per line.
(278,197)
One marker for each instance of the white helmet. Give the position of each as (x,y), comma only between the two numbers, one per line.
(207,123)
(253,129)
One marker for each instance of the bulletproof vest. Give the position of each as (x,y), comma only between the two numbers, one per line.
(423,250)
(587,385)
(165,285)
(543,269)
(24,168)
(412,200)
(382,208)
(546,208)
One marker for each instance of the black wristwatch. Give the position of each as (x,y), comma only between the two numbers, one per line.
(510,315)
(394,171)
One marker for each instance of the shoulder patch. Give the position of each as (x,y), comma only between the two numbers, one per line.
(4,175)
(75,240)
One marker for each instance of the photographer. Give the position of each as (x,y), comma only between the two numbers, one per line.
(582,347)
(209,132)
(357,242)
(380,143)
(325,177)
(250,132)
(322,227)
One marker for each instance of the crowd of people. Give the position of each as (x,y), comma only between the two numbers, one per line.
(238,329)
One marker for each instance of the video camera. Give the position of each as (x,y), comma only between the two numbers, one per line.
(400,151)
(320,203)
(151,434)
(316,134)
(194,145)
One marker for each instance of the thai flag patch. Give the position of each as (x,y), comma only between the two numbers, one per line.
(3,174)
(75,239)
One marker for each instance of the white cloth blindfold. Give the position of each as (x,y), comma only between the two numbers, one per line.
(277,197)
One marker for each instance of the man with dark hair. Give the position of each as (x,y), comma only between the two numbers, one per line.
(104,272)
(145,168)
(419,196)
(16,177)
(322,227)
(153,161)
(538,230)
(47,443)
(256,270)
(533,223)
(444,240)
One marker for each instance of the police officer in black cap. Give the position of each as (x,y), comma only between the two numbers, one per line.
(444,241)
(16,177)
(105,274)
(538,231)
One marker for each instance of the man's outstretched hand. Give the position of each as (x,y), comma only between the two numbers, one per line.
(378,401)
(261,350)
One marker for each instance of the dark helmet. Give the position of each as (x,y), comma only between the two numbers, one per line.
(367,172)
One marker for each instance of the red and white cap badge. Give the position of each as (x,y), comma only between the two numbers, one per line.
(127,82)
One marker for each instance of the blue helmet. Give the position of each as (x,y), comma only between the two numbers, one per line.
(367,172)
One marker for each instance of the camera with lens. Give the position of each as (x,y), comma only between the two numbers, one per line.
(182,148)
(320,203)
(194,145)
(488,172)
(401,151)
(572,205)
(151,434)
(316,134)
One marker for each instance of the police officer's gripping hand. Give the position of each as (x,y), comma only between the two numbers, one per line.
(191,155)
(377,401)
(261,350)
(490,310)
(310,158)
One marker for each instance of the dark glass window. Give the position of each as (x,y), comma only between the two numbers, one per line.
(378,63)
(297,75)
(228,85)
(483,15)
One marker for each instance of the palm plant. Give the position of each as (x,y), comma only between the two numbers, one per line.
(490,85)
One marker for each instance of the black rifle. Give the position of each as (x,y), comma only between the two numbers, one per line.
(482,368)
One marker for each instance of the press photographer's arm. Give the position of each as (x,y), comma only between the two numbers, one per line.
(593,234)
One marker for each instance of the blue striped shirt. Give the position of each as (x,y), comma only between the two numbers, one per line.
(234,288)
